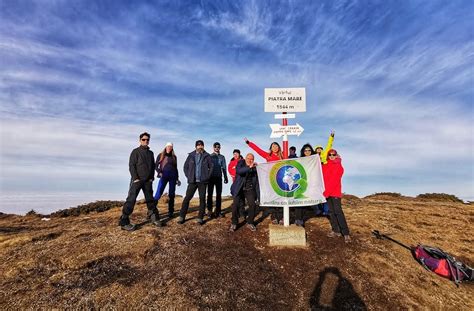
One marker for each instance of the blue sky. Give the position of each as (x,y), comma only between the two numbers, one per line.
(79,81)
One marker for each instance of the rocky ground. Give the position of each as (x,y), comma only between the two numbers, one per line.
(86,261)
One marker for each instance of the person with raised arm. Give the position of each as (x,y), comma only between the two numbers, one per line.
(332,174)
(323,153)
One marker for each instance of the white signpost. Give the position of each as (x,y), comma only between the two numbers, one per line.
(279,130)
(284,100)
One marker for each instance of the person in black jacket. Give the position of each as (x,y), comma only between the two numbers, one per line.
(219,169)
(142,171)
(245,185)
(197,168)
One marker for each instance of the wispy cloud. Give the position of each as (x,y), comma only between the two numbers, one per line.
(80,80)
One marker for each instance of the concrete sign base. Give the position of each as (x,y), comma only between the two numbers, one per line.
(287,236)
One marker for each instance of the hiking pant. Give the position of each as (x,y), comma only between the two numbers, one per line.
(250,196)
(217,182)
(336,216)
(190,191)
(321,208)
(299,212)
(134,190)
(164,180)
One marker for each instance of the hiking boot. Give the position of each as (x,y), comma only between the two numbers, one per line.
(128,227)
(157,223)
(221,215)
(333,234)
(347,238)
(155,220)
(233,228)
(170,215)
(180,220)
(252,227)
(200,221)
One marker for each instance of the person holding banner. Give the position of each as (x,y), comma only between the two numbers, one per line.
(332,174)
(245,186)
(306,151)
(273,154)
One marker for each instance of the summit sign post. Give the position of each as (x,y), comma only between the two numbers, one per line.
(285,101)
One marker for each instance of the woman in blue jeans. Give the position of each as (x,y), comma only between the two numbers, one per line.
(167,171)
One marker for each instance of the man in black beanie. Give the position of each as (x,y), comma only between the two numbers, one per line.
(197,168)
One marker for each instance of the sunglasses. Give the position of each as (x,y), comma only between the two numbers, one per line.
(145,139)
(332,154)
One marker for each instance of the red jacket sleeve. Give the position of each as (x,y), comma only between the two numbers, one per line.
(262,153)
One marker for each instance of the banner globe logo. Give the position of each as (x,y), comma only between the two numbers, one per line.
(288,179)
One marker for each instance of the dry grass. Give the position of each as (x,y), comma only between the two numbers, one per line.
(86,261)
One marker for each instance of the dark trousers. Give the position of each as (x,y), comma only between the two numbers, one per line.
(250,196)
(190,191)
(276,213)
(299,212)
(336,216)
(135,187)
(217,182)
(164,180)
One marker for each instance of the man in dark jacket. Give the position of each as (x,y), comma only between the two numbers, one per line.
(197,168)
(245,185)
(142,171)
(219,169)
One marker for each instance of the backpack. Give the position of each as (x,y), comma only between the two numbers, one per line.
(443,264)
(436,260)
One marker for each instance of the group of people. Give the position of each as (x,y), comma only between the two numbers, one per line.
(205,171)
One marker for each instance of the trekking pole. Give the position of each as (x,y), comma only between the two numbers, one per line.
(380,236)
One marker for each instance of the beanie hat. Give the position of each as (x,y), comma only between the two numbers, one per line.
(199,142)
(169,144)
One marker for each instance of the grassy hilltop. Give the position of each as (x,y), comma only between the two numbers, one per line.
(82,259)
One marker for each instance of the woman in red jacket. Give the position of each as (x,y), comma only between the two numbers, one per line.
(233,163)
(332,174)
(273,154)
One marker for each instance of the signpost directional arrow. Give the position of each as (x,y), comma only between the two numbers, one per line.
(279,130)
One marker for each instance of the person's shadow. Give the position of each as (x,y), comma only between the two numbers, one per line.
(334,292)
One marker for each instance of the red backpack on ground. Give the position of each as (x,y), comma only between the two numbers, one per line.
(437,261)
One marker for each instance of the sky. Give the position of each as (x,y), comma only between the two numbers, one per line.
(80,80)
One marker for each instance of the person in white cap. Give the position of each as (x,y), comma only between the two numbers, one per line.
(167,171)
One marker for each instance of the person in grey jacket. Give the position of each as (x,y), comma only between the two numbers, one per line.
(197,168)
(142,171)
(219,170)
